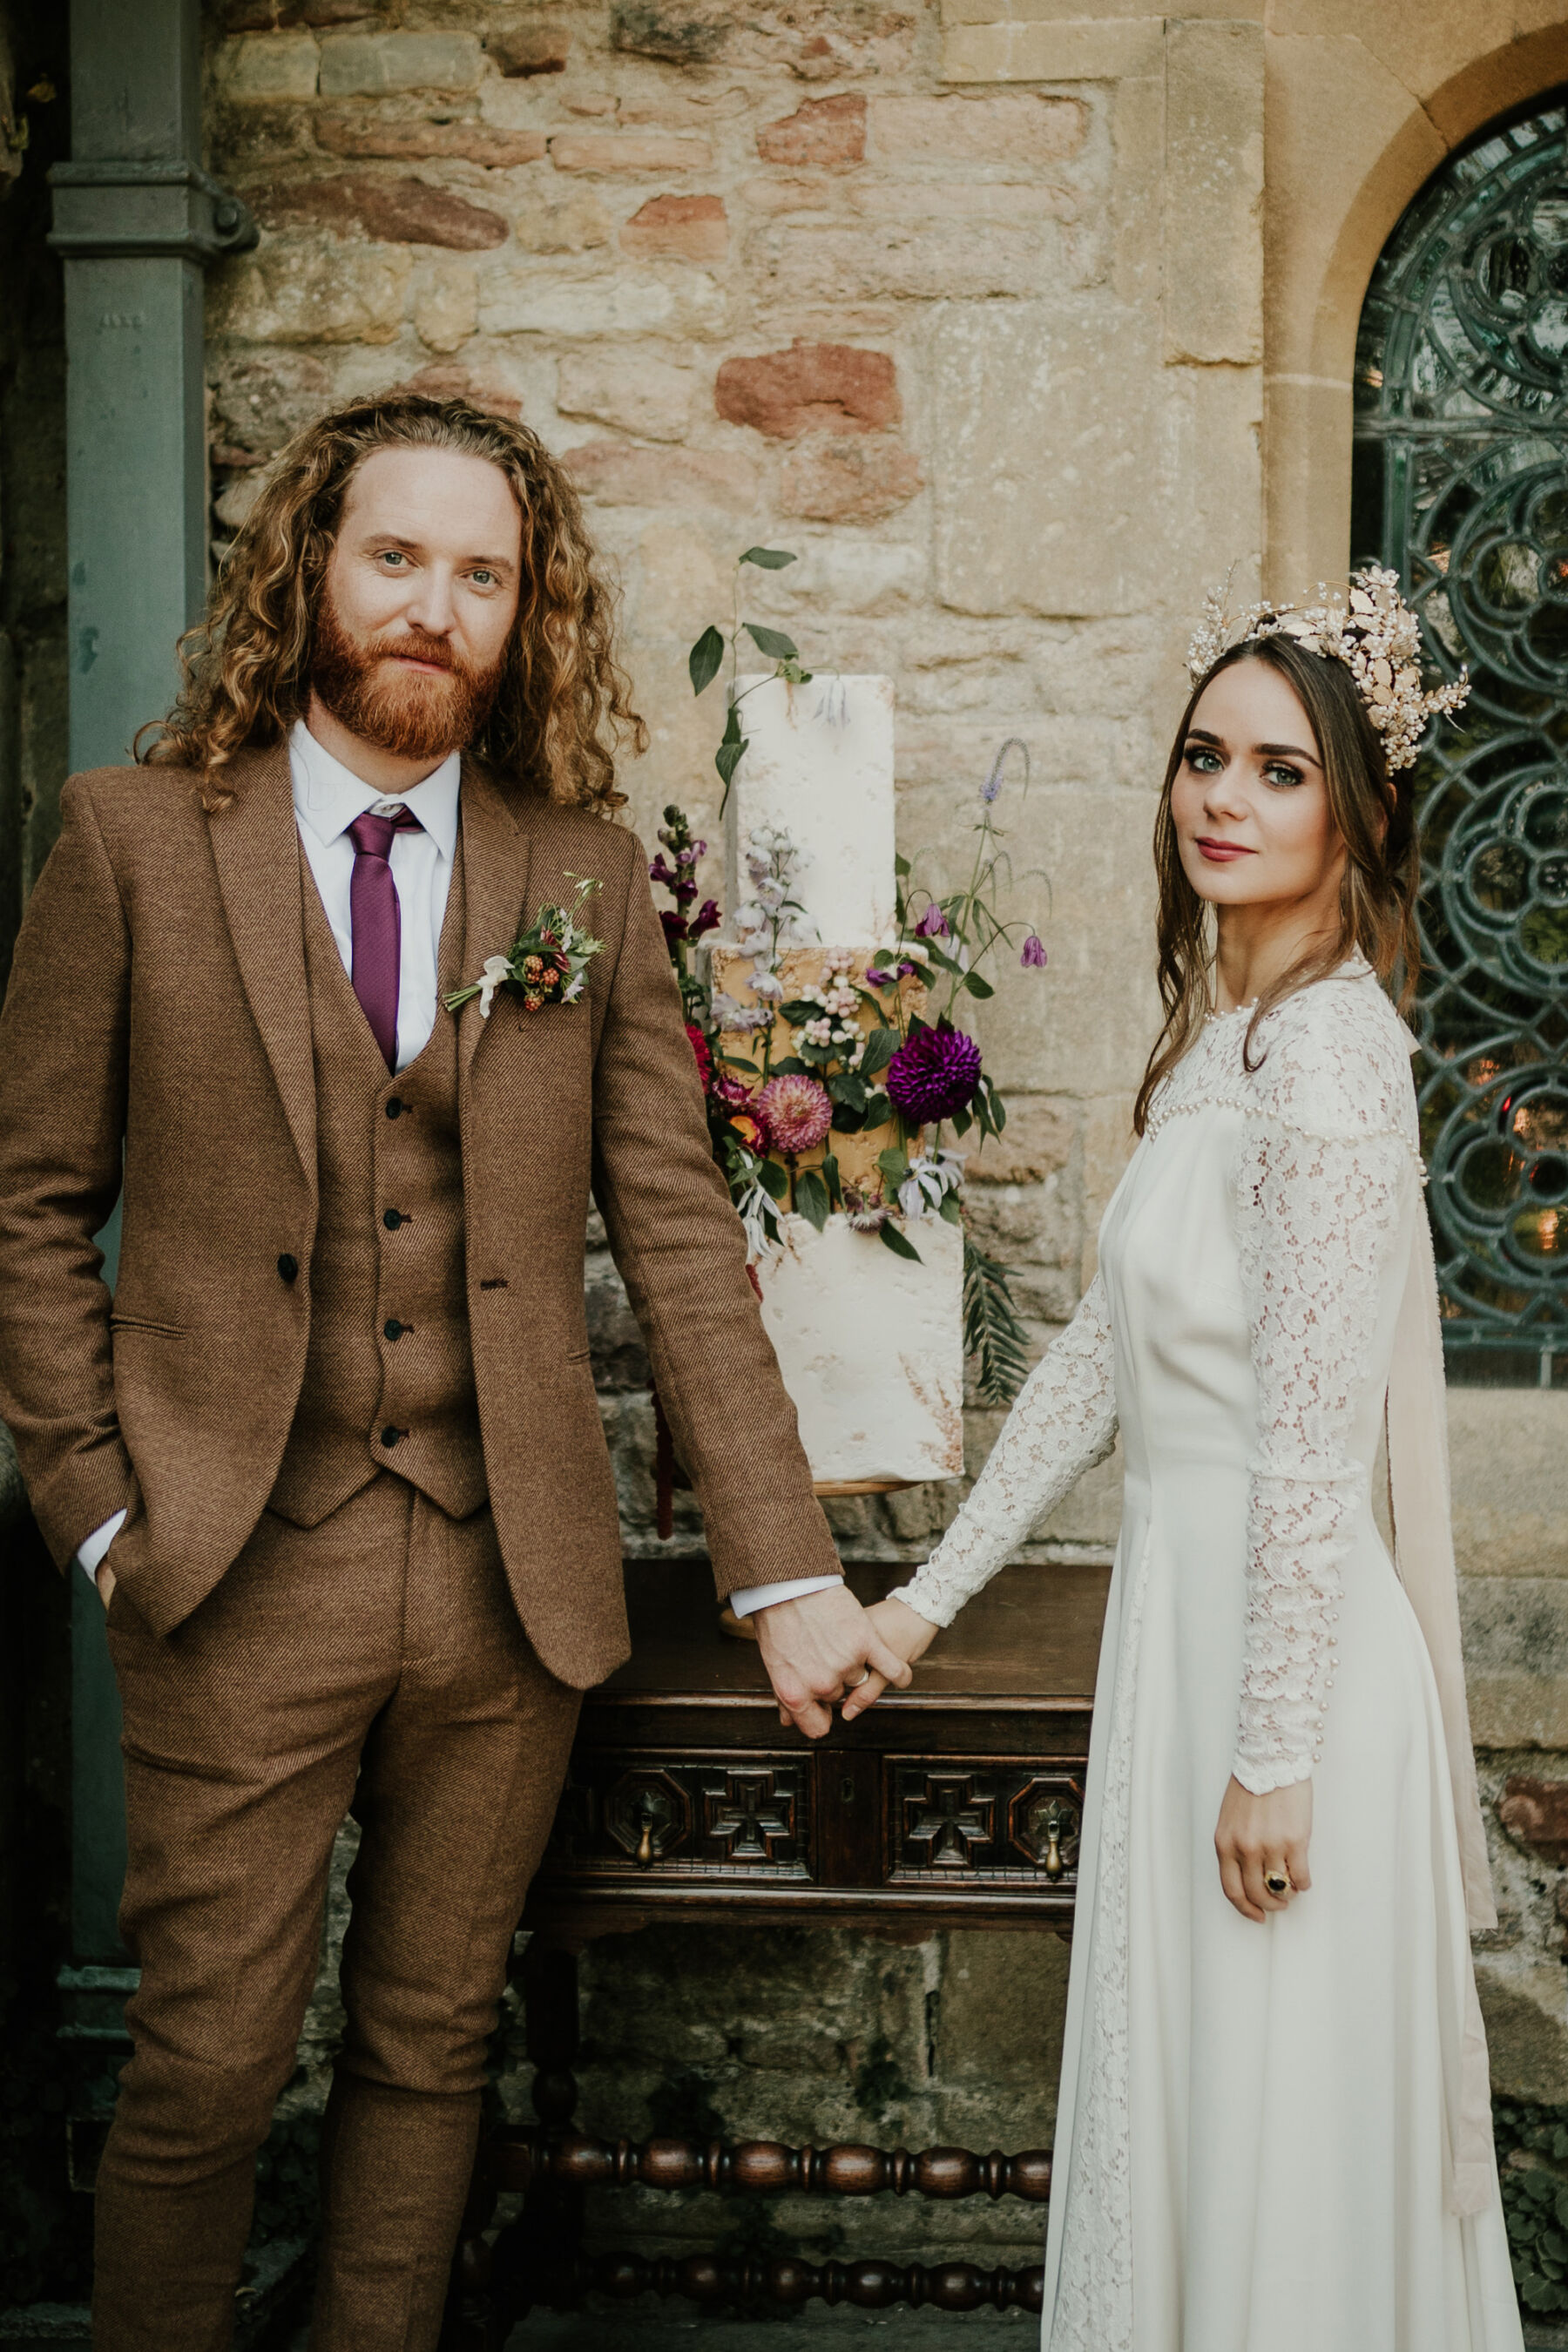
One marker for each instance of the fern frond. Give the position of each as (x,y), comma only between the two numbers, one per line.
(991,1331)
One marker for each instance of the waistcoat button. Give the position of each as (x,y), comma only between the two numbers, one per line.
(394,1328)
(392,1219)
(288,1266)
(389,1436)
(395,1105)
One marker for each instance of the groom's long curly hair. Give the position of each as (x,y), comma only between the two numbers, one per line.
(563,706)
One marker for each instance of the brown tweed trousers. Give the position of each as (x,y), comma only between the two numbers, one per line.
(307,1619)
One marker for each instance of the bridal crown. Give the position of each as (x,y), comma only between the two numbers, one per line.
(1372,630)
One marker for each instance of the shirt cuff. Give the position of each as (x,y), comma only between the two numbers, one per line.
(764,1596)
(91,1549)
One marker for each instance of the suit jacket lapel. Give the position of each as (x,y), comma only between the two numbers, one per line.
(255,850)
(494,850)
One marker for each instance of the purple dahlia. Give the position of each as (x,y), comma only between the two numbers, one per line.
(933,1074)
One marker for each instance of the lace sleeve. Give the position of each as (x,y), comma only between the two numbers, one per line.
(1063,1422)
(1319,1217)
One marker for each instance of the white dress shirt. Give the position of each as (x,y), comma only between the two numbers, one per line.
(328,797)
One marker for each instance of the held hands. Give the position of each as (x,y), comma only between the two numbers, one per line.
(907,1633)
(1262,1837)
(818,1648)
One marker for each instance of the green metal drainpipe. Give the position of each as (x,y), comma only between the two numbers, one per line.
(137,222)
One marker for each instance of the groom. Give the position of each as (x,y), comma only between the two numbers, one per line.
(333,1450)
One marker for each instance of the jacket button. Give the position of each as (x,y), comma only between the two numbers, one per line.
(392,1219)
(288,1266)
(394,1328)
(389,1436)
(395,1105)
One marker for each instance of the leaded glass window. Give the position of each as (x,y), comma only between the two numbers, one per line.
(1461,485)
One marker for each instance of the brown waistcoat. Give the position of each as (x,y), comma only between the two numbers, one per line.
(389,1369)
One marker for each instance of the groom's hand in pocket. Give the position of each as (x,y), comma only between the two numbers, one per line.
(818,1647)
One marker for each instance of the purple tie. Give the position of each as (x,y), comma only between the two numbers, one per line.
(376,923)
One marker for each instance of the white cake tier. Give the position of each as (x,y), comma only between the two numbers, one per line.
(871,1348)
(819,763)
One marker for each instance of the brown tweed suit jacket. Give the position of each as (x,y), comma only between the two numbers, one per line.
(158,1009)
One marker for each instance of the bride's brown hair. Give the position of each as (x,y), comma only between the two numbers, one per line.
(564,704)
(1376,815)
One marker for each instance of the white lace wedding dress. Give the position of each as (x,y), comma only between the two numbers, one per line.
(1258,2144)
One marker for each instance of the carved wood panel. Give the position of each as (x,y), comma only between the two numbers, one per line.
(991,1821)
(655,1817)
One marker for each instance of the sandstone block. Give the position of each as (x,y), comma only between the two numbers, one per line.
(1212,197)
(849,481)
(850,573)
(315,290)
(444,381)
(1042,481)
(1509,1456)
(472,142)
(1534,1812)
(399,211)
(369,65)
(821,131)
(910,260)
(446,308)
(1011,130)
(1037,1142)
(1526,2038)
(575,226)
(530,301)
(527,49)
(688,229)
(260,397)
(618,474)
(810,193)
(813,387)
(644,395)
(1516,1659)
(238,495)
(628,151)
(1074,49)
(681,32)
(269,68)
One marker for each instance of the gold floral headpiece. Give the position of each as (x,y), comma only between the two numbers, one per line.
(1373,631)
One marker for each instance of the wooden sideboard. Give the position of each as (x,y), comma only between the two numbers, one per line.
(956,1801)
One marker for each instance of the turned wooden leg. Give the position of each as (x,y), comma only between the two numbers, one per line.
(541,2248)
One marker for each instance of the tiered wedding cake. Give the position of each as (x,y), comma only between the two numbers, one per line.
(870,1342)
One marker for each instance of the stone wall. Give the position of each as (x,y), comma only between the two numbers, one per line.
(965,304)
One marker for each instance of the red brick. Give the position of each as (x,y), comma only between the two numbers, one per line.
(1535,1815)
(849,481)
(529,49)
(820,131)
(692,227)
(398,211)
(811,388)
(409,143)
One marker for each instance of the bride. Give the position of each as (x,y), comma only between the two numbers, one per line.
(1274,2127)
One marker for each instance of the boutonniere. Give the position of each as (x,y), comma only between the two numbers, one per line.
(546,965)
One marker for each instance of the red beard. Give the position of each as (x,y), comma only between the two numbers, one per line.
(407,712)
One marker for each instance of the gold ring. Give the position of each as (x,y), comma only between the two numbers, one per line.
(1276,1882)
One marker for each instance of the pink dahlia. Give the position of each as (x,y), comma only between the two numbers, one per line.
(933,1074)
(797,1112)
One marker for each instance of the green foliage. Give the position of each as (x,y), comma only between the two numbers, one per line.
(900,1244)
(707,659)
(993,1334)
(1532,2154)
(811,1198)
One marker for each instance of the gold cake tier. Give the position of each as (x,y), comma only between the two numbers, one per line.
(803,968)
